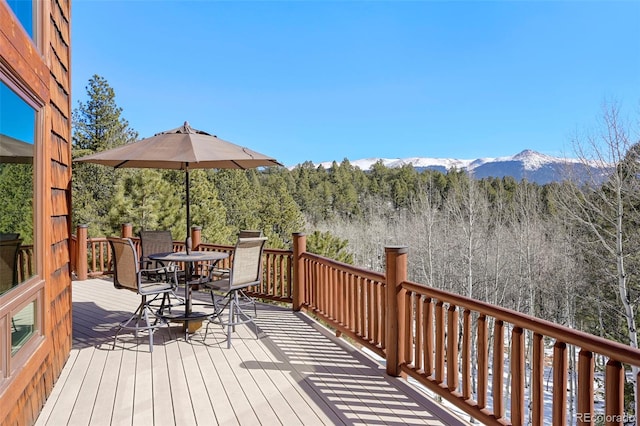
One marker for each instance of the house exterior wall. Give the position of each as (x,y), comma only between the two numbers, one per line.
(40,68)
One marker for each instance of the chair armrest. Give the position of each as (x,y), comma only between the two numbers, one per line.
(219,272)
(167,273)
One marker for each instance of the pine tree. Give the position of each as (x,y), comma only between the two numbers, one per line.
(207,210)
(97,126)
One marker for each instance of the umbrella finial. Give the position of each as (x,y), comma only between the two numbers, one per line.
(186,128)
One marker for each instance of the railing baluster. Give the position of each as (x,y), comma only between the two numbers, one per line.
(440,324)
(331,305)
(537,380)
(466,354)
(517,376)
(427,363)
(409,297)
(353,288)
(452,348)
(370,310)
(383,316)
(483,361)
(498,368)
(585,387)
(362,296)
(638,398)
(376,312)
(418,323)
(614,393)
(559,383)
(342,277)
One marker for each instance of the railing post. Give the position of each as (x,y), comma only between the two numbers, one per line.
(127,230)
(297,287)
(82,269)
(196,236)
(396,273)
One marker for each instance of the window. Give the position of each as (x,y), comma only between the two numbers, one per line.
(25,12)
(23,326)
(17,131)
(21,289)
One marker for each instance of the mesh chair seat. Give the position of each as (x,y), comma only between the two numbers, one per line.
(128,275)
(246,271)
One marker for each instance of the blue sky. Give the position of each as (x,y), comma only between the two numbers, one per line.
(328,80)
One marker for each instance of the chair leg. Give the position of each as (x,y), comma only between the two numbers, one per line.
(143,312)
(125,324)
(151,329)
(234,302)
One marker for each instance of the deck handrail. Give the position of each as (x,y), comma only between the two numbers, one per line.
(277,263)
(431,335)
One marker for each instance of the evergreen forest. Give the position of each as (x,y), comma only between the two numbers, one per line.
(559,252)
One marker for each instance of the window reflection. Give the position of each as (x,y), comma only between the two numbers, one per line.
(23,325)
(17,129)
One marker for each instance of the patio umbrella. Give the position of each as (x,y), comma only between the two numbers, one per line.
(183,148)
(14,150)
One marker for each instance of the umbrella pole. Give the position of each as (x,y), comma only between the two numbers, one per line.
(186,183)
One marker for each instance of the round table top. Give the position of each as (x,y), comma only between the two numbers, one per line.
(194,256)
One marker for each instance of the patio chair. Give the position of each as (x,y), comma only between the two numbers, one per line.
(128,275)
(152,242)
(246,271)
(250,233)
(9,250)
(217,272)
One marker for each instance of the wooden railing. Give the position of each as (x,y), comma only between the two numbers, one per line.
(277,268)
(459,348)
(349,299)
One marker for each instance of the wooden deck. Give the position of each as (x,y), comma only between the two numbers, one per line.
(295,372)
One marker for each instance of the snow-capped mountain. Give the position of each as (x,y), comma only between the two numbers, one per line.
(530,165)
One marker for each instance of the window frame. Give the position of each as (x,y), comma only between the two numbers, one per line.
(33,288)
(36,27)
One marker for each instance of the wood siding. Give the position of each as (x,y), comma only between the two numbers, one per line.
(46,75)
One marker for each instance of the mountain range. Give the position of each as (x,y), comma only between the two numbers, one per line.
(528,164)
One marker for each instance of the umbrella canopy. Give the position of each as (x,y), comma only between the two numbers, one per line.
(183,148)
(14,150)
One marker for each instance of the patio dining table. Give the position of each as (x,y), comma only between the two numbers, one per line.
(188,315)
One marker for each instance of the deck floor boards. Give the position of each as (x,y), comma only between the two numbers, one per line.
(293,372)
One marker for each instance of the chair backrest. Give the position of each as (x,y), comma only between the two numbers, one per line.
(155,242)
(126,269)
(9,250)
(250,233)
(10,236)
(246,269)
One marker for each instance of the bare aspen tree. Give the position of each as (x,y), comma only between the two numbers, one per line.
(606,209)
(423,220)
(468,207)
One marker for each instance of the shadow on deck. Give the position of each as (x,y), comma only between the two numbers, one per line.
(293,372)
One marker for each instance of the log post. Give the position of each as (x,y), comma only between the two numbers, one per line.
(127,230)
(82,269)
(297,287)
(396,273)
(196,236)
